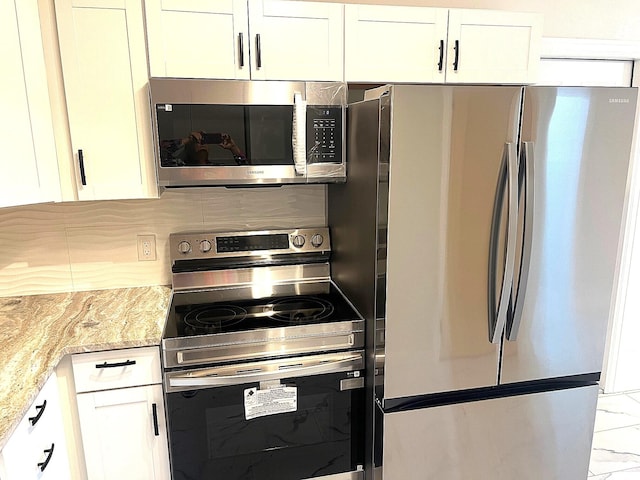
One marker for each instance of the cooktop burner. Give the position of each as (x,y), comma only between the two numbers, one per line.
(191,314)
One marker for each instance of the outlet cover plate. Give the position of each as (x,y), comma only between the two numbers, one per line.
(146,247)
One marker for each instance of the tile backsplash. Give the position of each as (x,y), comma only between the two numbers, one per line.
(62,247)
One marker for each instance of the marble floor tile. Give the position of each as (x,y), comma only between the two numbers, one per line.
(615,411)
(615,450)
(632,474)
(634,395)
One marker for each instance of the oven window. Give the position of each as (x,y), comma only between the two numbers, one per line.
(225,135)
(211,438)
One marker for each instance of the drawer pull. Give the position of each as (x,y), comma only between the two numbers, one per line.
(40,409)
(49,452)
(83,177)
(156,429)
(117,364)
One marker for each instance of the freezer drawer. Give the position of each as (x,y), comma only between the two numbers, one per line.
(538,436)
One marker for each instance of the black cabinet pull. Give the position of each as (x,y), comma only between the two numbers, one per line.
(241,49)
(83,177)
(456,48)
(441,55)
(40,409)
(156,430)
(258,52)
(49,452)
(117,364)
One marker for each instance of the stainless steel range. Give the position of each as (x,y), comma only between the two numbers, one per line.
(263,361)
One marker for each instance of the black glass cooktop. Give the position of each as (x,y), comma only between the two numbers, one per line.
(194,313)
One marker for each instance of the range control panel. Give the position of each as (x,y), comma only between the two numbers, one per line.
(199,245)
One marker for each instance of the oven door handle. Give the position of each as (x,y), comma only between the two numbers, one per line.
(258,372)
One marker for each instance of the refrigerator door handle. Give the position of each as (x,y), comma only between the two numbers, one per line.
(508,175)
(527,163)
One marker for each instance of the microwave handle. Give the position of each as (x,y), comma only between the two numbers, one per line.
(299,132)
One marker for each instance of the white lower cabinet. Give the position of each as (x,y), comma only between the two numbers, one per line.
(124,433)
(37,449)
(121,414)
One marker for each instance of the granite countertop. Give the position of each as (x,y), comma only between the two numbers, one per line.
(36,331)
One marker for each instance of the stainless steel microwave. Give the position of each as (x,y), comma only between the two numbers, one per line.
(228,132)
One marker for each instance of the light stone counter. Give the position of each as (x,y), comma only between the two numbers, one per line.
(37,331)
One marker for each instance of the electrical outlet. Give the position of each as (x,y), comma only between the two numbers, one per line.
(146,247)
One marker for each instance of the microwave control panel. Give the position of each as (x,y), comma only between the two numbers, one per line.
(324,134)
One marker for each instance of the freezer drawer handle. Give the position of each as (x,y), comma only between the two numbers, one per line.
(526,181)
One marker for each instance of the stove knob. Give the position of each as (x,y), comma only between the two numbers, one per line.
(298,241)
(317,240)
(205,246)
(184,247)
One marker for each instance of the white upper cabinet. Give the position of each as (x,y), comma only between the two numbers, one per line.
(198,38)
(28,164)
(236,39)
(395,44)
(488,46)
(103,54)
(433,45)
(296,40)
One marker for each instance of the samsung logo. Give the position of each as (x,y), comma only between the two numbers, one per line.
(618,100)
(256,172)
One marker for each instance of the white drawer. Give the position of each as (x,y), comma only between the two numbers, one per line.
(116,369)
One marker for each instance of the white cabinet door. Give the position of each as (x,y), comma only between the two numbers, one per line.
(395,44)
(103,55)
(122,436)
(488,46)
(296,40)
(37,449)
(28,162)
(198,38)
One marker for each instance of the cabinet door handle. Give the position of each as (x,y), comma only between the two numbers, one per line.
(40,409)
(441,55)
(117,364)
(49,452)
(83,177)
(241,49)
(456,48)
(258,52)
(156,430)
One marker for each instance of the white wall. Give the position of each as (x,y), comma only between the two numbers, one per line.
(601,19)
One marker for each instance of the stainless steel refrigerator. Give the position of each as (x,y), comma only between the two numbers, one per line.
(479,234)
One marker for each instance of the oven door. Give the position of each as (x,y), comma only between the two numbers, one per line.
(290,419)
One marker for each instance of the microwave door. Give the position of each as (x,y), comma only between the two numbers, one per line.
(225,144)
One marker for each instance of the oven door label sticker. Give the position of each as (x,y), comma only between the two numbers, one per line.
(260,403)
